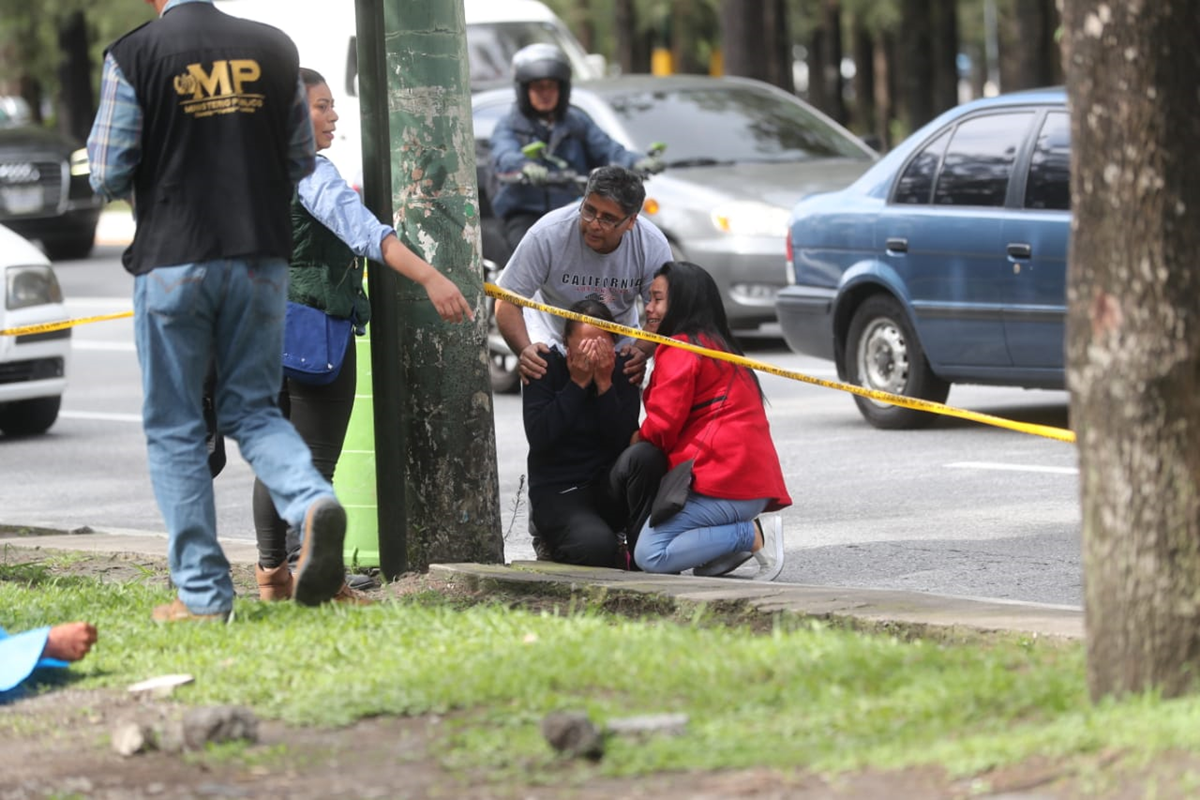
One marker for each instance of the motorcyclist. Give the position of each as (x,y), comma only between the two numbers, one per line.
(542,113)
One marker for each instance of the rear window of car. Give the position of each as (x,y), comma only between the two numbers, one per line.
(729,124)
(979,160)
(916,183)
(1049,183)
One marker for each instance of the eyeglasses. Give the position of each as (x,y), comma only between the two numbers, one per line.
(607,221)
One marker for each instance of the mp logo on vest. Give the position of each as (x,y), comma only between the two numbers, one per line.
(220,89)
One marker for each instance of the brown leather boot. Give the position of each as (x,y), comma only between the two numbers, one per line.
(351,597)
(274,583)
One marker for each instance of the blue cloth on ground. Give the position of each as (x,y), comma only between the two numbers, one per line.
(20,655)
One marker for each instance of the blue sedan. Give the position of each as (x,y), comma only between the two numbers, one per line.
(945,262)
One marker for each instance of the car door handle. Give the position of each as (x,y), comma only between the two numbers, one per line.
(1020,250)
(896,244)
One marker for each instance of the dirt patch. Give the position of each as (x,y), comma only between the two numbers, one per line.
(55,744)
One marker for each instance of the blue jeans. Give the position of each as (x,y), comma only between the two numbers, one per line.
(706,527)
(185,315)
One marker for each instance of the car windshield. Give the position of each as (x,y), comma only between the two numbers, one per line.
(490,48)
(723,124)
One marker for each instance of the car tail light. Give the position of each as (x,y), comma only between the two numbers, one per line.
(791,260)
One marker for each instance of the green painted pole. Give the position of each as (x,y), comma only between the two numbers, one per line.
(435,419)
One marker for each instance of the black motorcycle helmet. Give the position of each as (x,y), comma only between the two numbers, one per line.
(537,62)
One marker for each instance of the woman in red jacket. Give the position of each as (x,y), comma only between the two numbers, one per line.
(711,411)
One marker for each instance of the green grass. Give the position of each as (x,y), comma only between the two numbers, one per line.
(800,695)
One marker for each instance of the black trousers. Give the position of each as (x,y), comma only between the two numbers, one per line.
(581,525)
(321,415)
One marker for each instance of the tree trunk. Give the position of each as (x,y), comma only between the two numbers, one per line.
(626,35)
(885,87)
(815,60)
(779,39)
(916,76)
(582,25)
(75,76)
(754,40)
(30,90)
(688,31)
(944,35)
(831,68)
(864,78)
(1030,52)
(439,420)
(1134,337)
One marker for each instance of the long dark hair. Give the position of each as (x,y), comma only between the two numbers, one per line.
(695,308)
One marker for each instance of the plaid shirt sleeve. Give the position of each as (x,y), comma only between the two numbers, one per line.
(115,144)
(302,147)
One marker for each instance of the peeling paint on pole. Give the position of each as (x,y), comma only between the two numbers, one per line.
(450,485)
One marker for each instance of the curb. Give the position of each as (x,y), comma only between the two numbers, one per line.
(868,609)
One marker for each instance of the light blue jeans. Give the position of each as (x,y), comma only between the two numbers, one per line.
(706,527)
(232,311)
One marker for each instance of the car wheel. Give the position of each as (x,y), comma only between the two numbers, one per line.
(29,417)
(883,353)
(62,248)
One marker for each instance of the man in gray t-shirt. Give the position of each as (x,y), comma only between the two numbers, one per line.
(597,249)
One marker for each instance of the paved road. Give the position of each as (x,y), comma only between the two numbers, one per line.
(958,509)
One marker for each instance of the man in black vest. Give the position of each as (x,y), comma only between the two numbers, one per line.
(203,125)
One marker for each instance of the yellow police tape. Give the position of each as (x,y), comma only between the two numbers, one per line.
(46,327)
(1047,431)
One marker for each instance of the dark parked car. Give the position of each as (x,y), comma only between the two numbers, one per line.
(44,191)
(944,263)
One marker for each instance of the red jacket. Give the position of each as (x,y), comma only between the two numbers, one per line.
(730,438)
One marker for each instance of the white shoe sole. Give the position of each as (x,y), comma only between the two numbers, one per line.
(771,553)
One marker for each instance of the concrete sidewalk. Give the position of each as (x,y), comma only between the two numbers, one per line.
(874,607)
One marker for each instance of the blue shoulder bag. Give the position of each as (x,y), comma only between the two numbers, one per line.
(314,344)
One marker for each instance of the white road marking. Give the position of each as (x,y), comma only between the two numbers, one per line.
(100,416)
(118,347)
(1013,467)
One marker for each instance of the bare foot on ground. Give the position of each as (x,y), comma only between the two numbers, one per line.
(70,641)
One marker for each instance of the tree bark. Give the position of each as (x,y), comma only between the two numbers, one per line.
(1031,54)
(815,60)
(583,27)
(741,42)
(755,41)
(626,34)
(944,36)
(1134,337)
(633,45)
(690,27)
(831,67)
(916,76)
(75,77)
(779,39)
(864,77)
(885,87)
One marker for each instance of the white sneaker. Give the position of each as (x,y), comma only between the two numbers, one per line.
(770,556)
